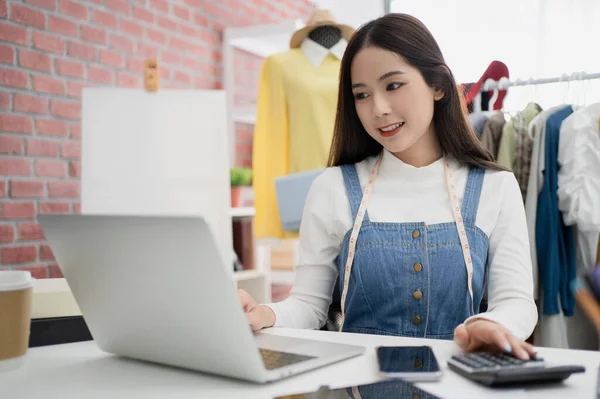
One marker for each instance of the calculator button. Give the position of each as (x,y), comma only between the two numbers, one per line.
(496,362)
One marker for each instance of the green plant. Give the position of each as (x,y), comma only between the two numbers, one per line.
(240,177)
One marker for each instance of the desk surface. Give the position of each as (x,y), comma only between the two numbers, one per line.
(70,370)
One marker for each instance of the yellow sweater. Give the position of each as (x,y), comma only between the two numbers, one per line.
(296,113)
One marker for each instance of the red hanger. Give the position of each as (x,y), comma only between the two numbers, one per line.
(495,71)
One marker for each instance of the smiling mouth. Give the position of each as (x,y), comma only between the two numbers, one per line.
(390,130)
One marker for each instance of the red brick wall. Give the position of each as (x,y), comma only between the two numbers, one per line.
(51,49)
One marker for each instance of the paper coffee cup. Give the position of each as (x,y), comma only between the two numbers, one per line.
(16,292)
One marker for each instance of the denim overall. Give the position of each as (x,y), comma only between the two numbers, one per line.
(410,279)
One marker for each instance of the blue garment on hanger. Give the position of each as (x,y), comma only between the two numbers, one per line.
(478,120)
(555,242)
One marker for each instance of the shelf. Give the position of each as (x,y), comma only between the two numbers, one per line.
(245,114)
(52,297)
(254,282)
(245,275)
(263,40)
(242,212)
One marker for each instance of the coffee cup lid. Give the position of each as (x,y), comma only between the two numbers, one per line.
(12,280)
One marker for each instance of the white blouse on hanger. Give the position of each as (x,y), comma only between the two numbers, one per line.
(579,176)
(579,173)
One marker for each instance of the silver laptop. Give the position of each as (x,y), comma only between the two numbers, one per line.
(156,289)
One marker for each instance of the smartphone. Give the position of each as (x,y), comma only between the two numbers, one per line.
(411,363)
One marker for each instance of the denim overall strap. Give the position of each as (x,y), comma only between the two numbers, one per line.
(472,193)
(353,189)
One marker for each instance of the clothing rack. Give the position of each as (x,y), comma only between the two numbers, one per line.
(505,83)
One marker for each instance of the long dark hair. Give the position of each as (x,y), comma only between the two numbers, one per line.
(408,37)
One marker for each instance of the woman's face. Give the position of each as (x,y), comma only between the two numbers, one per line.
(392,100)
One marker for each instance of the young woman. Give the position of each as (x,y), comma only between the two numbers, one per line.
(413,215)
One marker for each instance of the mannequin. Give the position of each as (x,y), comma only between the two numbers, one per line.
(326,36)
(296,108)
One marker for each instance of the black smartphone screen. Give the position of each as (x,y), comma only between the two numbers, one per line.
(407,359)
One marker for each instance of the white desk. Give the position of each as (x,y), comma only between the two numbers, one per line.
(82,370)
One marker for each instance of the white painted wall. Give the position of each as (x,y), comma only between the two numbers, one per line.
(353,12)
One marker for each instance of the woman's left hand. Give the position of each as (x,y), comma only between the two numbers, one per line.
(486,335)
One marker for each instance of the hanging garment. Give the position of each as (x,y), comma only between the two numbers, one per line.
(523,146)
(537,131)
(555,241)
(551,330)
(478,121)
(492,132)
(579,174)
(297,102)
(516,126)
(578,199)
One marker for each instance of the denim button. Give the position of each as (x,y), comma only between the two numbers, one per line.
(416,234)
(418,363)
(418,267)
(416,396)
(417,320)
(417,294)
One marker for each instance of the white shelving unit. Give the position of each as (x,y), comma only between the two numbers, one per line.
(262,41)
(242,212)
(244,114)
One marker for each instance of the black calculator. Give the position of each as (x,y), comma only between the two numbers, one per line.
(494,369)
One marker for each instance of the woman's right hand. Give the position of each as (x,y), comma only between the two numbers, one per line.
(259,316)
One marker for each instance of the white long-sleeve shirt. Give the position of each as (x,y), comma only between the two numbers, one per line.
(403,193)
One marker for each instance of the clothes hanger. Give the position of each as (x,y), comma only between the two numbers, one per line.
(486,87)
(586,90)
(576,77)
(530,127)
(585,86)
(565,78)
(503,85)
(477,102)
(495,70)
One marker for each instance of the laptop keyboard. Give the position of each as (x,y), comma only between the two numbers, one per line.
(275,359)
